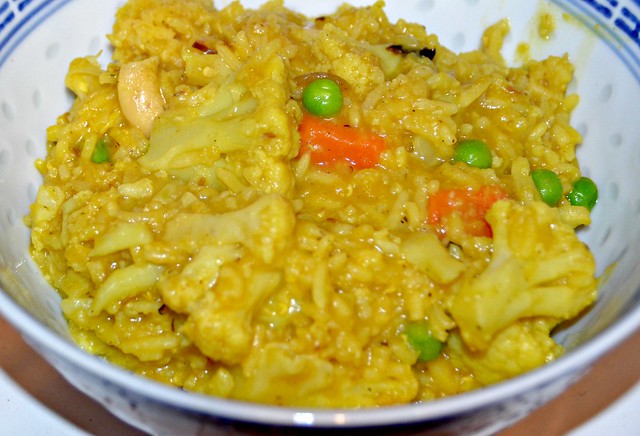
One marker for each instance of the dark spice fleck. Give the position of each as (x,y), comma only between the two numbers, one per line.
(199,45)
(396,48)
(425,52)
(428,53)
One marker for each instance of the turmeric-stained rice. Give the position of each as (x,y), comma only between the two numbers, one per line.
(207,231)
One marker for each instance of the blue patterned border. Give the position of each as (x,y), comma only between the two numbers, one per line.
(617,23)
(19,17)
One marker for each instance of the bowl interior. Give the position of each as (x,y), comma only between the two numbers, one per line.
(38,42)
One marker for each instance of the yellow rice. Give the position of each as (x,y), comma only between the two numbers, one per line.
(223,262)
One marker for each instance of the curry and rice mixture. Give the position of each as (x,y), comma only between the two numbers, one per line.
(334,211)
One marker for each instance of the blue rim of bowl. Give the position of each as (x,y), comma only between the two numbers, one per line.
(613,23)
(18,18)
(14,27)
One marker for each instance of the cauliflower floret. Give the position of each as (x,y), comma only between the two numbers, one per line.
(181,136)
(354,66)
(237,123)
(219,302)
(539,268)
(516,349)
(264,227)
(182,292)
(220,325)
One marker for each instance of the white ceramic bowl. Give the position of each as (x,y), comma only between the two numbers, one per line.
(38,39)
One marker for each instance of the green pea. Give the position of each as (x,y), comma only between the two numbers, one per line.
(420,339)
(584,193)
(100,152)
(473,152)
(323,97)
(548,184)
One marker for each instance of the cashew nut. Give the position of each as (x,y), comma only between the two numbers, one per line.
(139,93)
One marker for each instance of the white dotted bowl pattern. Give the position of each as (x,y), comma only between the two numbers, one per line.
(38,39)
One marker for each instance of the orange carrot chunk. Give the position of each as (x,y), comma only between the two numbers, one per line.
(329,143)
(471,205)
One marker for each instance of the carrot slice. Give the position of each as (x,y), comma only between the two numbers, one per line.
(471,205)
(329,143)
